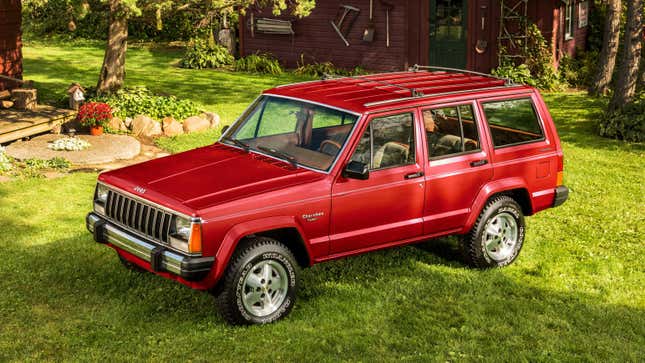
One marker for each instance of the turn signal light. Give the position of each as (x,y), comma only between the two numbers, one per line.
(560,178)
(195,243)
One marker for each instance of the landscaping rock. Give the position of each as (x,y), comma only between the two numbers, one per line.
(196,124)
(172,127)
(146,127)
(128,122)
(213,118)
(116,124)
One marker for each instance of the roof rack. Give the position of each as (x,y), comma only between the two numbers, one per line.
(417,67)
(363,79)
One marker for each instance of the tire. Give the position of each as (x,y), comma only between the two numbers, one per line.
(249,293)
(497,236)
(131,266)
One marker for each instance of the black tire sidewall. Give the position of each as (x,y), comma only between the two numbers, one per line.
(279,254)
(497,207)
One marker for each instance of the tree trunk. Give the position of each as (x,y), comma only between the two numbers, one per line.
(113,70)
(632,42)
(610,40)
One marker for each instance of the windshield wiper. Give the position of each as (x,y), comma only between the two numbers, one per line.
(237,142)
(280,154)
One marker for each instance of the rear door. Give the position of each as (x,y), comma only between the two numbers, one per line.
(388,206)
(458,164)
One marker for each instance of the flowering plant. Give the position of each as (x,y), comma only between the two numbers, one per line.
(5,162)
(94,114)
(69,144)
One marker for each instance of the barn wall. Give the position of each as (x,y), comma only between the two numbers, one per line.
(10,41)
(316,38)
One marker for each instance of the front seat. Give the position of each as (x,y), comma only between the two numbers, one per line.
(390,154)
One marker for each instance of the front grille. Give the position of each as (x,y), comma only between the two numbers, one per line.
(148,220)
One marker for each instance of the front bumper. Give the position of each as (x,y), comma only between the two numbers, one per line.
(160,259)
(561,196)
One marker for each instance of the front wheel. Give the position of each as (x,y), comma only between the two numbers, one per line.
(498,235)
(260,283)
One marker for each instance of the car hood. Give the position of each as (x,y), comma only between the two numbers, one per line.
(207,176)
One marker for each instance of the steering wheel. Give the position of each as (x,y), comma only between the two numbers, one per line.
(329,147)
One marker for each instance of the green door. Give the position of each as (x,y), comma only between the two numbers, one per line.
(448,30)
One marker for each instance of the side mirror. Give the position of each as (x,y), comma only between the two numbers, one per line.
(225,128)
(356,170)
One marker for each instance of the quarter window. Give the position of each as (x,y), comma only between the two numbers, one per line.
(387,142)
(450,130)
(512,122)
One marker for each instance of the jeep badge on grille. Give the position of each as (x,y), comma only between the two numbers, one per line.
(139,189)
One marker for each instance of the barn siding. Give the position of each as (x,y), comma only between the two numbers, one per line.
(316,39)
(10,41)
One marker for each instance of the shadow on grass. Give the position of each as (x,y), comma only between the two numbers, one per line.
(383,305)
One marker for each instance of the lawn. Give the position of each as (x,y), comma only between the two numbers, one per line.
(575,293)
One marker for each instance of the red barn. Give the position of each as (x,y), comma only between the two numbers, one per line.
(10,42)
(450,33)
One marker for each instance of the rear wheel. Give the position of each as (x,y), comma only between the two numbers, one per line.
(498,235)
(260,283)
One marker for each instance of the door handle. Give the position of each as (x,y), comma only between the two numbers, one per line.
(479,163)
(414,175)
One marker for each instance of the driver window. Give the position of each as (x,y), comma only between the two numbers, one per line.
(387,142)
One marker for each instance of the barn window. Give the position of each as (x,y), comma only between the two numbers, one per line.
(568,19)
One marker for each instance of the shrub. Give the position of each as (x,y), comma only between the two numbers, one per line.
(94,114)
(321,69)
(201,53)
(5,161)
(130,102)
(627,124)
(537,59)
(259,63)
(579,71)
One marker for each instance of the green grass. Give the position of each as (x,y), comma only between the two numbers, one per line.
(574,294)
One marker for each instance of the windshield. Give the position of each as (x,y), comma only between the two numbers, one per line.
(298,132)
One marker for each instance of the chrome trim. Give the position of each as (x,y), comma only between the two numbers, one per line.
(170,261)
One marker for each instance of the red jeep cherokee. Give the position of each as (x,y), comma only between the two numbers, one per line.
(327,169)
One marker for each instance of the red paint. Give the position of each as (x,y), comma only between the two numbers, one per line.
(238,194)
(10,42)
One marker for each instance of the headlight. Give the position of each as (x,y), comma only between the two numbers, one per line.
(182,228)
(101,193)
(186,235)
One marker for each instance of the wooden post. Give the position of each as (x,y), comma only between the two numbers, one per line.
(24,99)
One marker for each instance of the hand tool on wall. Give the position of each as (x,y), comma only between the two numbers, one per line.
(342,24)
(388,7)
(368,33)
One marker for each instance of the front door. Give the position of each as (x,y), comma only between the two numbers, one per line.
(448,33)
(388,206)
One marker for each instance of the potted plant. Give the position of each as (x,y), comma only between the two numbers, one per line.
(95,115)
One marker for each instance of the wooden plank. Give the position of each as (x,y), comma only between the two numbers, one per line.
(15,130)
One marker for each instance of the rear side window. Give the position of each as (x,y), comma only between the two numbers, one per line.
(512,122)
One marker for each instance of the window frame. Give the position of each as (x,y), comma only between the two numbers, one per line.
(569,17)
(538,117)
(368,127)
(477,121)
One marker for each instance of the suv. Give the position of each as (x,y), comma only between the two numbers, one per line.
(327,169)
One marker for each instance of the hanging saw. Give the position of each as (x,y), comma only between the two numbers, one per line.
(345,18)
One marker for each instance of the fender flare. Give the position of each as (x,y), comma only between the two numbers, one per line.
(488,190)
(239,231)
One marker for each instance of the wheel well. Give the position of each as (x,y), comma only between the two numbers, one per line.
(521,196)
(292,239)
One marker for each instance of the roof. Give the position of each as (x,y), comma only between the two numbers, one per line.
(386,90)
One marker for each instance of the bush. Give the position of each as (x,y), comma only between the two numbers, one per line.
(518,74)
(537,59)
(5,161)
(579,71)
(258,63)
(627,124)
(130,102)
(202,53)
(321,69)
